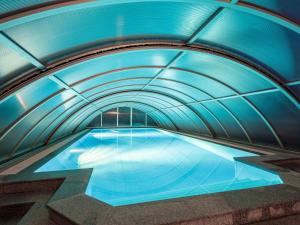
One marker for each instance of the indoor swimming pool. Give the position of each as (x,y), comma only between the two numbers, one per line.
(147,164)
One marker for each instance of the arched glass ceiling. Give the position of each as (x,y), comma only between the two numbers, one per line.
(222,69)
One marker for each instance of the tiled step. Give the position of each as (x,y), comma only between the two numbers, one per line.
(288,220)
(12,214)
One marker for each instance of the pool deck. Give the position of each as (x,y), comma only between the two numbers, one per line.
(58,198)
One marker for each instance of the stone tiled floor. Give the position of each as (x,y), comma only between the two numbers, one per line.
(289,220)
(292,164)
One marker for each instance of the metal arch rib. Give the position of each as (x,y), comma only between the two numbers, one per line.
(205,123)
(37,140)
(148,45)
(225,108)
(248,102)
(221,104)
(208,77)
(164,87)
(20,141)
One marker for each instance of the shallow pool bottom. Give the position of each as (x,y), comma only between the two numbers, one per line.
(146,164)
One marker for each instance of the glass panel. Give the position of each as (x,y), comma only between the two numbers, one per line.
(116,61)
(255,126)
(198,123)
(7,6)
(150,121)
(203,83)
(296,89)
(193,92)
(239,77)
(49,119)
(211,119)
(270,44)
(124,116)
(11,65)
(115,87)
(25,99)
(96,122)
(178,93)
(286,8)
(138,118)
(109,118)
(47,36)
(282,114)
(126,75)
(229,123)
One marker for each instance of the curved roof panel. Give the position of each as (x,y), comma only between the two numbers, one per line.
(222,69)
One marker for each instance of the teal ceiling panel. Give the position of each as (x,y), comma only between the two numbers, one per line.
(49,119)
(210,86)
(177,93)
(296,89)
(187,88)
(283,115)
(229,122)
(160,121)
(9,6)
(11,65)
(165,98)
(116,61)
(66,127)
(197,119)
(44,135)
(269,44)
(286,8)
(19,132)
(211,119)
(97,93)
(119,98)
(145,73)
(177,118)
(229,72)
(112,87)
(25,99)
(52,36)
(251,121)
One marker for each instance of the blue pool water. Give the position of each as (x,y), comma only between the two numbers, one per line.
(146,164)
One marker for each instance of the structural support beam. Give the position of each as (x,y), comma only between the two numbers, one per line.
(8,42)
(65,86)
(209,20)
